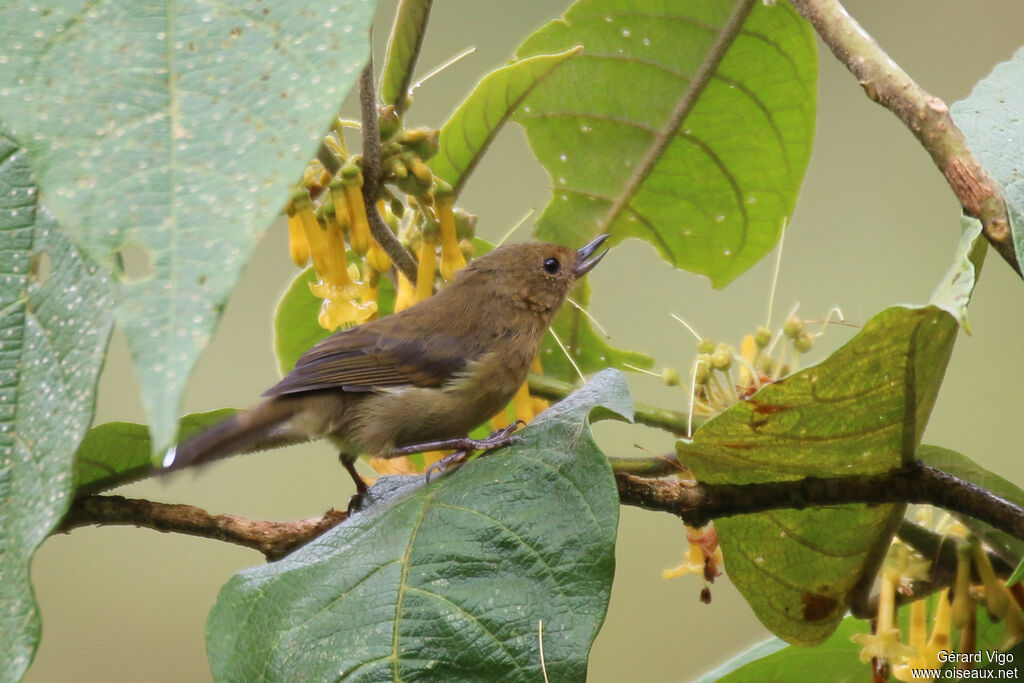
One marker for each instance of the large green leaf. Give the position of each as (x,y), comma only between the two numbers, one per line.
(55,320)
(712,191)
(471,129)
(991,121)
(449,581)
(170,131)
(116,453)
(861,411)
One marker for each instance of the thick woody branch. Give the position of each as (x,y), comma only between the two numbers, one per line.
(400,256)
(698,503)
(273,539)
(924,114)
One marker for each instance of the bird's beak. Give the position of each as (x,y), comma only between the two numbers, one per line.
(583,266)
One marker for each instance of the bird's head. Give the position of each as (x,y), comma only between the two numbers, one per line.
(536,274)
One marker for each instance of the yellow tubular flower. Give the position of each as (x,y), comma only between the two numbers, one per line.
(335,285)
(927,652)
(884,643)
(539,404)
(406,295)
(996,597)
(359,238)
(425,272)
(962,605)
(500,420)
(523,404)
(376,257)
(451,255)
(298,247)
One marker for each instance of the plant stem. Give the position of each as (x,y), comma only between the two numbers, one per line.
(645,414)
(400,256)
(916,483)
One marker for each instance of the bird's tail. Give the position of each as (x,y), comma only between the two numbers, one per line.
(261,427)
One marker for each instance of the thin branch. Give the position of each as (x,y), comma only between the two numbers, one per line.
(682,109)
(400,256)
(273,539)
(697,504)
(673,421)
(924,114)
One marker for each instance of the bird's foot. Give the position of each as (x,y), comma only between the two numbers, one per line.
(446,464)
(500,437)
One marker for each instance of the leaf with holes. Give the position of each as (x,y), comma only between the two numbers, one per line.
(471,129)
(185,157)
(861,411)
(456,580)
(639,144)
(991,121)
(55,321)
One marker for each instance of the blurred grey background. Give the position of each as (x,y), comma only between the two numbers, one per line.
(875,226)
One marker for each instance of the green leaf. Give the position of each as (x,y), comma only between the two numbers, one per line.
(55,317)
(185,157)
(710,193)
(117,453)
(861,411)
(954,291)
(991,121)
(403,49)
(466,136)
(448,581)
(959,465)
(588,349)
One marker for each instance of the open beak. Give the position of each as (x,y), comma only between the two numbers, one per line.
(583,266)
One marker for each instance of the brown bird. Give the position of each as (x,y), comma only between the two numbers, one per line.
(420,379)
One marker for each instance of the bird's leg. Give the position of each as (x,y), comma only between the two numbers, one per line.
(349,463)
(500,437)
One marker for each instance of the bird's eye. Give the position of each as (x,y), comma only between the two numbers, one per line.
(552,266)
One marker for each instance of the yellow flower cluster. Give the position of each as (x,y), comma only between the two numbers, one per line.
(955,610)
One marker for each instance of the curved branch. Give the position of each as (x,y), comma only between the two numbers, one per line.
(698,503)
(400,256)
(273,539)
(924,114)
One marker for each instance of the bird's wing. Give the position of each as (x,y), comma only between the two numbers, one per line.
(370,357)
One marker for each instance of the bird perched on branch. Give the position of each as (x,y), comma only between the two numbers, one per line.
(420,379)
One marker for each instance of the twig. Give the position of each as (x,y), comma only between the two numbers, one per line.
(400,256)
(273,539)
(697,504)
(924,114)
